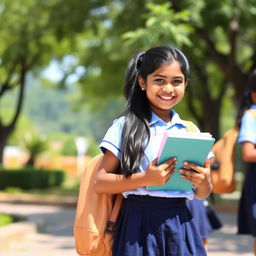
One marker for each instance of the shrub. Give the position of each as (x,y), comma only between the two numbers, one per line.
(5,219)
(31,178)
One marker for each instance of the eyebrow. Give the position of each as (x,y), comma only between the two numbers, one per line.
(174,77)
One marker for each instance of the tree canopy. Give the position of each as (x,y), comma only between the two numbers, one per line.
(217,36)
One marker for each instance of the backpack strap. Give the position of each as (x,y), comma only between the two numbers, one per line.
(111,224)
(191,127)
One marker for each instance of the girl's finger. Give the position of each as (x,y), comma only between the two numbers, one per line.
(167,164)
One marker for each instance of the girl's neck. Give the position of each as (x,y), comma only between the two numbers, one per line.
(167,118)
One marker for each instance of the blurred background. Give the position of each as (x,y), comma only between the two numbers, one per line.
(62,67)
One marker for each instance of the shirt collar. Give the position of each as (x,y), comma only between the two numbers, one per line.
(175,120)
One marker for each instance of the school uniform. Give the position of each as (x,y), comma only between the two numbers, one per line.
(247,209)
(153,223)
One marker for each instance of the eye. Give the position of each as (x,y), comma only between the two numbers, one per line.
(177,82)
(159,81)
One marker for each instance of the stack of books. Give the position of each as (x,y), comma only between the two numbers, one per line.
(190,147)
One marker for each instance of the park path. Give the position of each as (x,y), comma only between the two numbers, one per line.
(55,236)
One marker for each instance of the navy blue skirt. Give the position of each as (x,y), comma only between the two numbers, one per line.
(155,226)
(247,204)
(199,213)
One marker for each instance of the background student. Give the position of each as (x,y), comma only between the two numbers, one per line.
(206,218)
(151,222)
(247,138)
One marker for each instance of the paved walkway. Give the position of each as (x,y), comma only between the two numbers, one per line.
(55,235)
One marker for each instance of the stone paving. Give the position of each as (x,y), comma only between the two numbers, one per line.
(55,236)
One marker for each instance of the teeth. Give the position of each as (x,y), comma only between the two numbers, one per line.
(166,98)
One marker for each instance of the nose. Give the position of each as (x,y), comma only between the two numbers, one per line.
(168,88)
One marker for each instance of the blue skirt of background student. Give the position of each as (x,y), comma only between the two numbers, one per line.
(247,206)
(199,213)
(205,216)
(157,226)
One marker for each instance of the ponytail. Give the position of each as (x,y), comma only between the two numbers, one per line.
(136,131)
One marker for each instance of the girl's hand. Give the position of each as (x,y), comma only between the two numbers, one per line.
(159,175)
(200,177)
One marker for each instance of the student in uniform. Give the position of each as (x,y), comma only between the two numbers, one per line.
(151,223)
(247,138)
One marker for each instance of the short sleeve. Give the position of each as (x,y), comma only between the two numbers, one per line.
(112,138)
(248,129)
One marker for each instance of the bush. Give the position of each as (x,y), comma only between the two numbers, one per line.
(31,178)
(5,219)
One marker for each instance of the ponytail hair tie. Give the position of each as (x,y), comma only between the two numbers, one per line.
(141,54)
(140,59)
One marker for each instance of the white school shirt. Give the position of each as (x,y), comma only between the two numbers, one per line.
(248,128)
(112,142)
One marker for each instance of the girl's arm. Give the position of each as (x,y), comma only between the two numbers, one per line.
(108,181)
(248,152)
(201,178)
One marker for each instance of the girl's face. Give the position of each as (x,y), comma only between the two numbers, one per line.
(253,97)
(164,89)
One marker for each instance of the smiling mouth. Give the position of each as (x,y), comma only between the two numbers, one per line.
(167,98)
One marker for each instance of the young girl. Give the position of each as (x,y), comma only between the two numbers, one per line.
(247,137)
(151,222)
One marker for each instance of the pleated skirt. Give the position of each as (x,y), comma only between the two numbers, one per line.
(199,213)
(155,226)
(247,203)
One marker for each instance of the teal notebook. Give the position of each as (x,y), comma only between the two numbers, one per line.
(191,147)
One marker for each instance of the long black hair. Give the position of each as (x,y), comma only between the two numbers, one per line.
(136,132)
(246,100)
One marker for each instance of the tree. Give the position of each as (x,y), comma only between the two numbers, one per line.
(218,37)
(32,33)
(35,144)
(224,54)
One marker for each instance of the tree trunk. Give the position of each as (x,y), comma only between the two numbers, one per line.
(4,134)
(31,161)
(6,130)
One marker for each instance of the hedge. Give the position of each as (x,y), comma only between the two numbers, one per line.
(31,178)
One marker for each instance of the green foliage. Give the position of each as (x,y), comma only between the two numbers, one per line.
(69,147)
(50,112)
(93,150)
(163,25)
(30,178)
(5,219)
(32,34)
(217,36)
(35,143)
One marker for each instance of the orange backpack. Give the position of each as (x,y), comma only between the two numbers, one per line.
(223,168)
(222,171)
(96,215)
